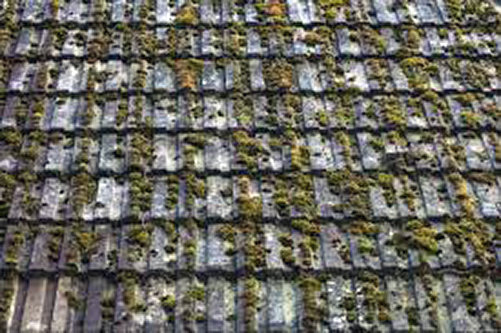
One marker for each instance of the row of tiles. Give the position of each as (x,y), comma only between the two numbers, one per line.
(252,42)
(266,113)
(449,303)
(256,75)
(241,152)
(228,11)
(217,198)
(222,247)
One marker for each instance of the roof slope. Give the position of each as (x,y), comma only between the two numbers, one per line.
(229,165)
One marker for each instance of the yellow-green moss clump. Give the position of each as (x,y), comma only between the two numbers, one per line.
(331,8)
(417,234)
(464,231)
(187,14)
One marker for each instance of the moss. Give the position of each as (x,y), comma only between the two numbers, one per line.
(302,198)
(377,144)
(85,188)
(274,9)
(251,299)
(11,137)
(140,235)
(482,178)
(378,71)
(375,299)
(467,288)
(248,149)
(344,141)
(6,297)
(172,192)
(363,228)
(168,302)
(253,247)
(312,312)
(466,231)
(190,252)
(491,307)
(417,235)
(279,74)
(418,72)
(287,256)
(227,233)
(123,110)
(58,37)
(139,238)
(350,304)
(73,300)
(356,189)
(139,80)
(471,119)
(141,151)
(300,156)
(187,14)
(86,242)
(54,243)
(141,190)
(309,246)
(386,182)
(107,304)
(129,282)
(286,252)
(249,207)
(13,246)
(374,38)
(242,107)
(312,38)
(7,185)
(322,118)
(281,195)
(38,112)
(461,189)
(392,113)
(188,71)
(332,7)
(197,293)
(366,246)
(305,226)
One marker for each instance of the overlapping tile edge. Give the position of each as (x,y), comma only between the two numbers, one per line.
(225,166)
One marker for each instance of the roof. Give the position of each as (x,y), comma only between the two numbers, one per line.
(273,165)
